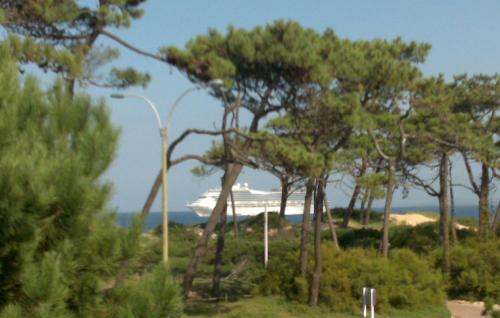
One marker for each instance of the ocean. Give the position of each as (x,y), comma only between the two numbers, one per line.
(189,217)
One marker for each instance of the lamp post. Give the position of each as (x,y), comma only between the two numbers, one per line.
(266,233)
(164,149)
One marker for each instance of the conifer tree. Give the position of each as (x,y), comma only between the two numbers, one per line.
(58,240)
(384,76)
(60,36)
(315,129)
(265,66)
(437,133)
(477,98)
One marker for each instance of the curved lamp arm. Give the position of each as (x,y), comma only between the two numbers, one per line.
(147,100)
(212,83)
(176,102)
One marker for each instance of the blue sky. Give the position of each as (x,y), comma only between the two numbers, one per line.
(465,38)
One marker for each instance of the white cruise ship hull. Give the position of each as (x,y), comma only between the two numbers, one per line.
(247,211)
(249,202)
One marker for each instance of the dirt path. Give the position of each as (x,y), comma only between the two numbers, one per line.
(464,309)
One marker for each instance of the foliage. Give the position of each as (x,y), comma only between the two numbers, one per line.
(60,248)
(60,36)
(400,281)
(156,295)
(475,270)
(257,223)
(277,307)
(361,238)
(356,214)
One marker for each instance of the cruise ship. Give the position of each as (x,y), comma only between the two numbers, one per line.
(249,201)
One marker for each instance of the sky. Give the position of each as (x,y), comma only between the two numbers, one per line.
(465,38)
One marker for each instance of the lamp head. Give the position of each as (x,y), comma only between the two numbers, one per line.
(119,96)
(217,82)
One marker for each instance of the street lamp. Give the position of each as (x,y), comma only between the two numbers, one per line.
(164,142)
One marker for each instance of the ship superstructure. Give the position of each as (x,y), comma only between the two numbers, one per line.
(249,201)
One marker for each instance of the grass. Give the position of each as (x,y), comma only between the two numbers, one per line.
(276,307)
(241,299)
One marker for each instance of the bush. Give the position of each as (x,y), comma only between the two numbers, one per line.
(404,281)
(356,214)
(364,238)
(420,239)
(475,270)
(155,295)
(256,223)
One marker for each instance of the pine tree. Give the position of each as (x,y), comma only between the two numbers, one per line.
(437,133)
(477,98)
(60,36)
(58,240)
(263,67)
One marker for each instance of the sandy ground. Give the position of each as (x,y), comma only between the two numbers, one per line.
(466,309)
(413,219)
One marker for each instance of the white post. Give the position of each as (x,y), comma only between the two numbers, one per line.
(364,301)
(265,236)
(372,302)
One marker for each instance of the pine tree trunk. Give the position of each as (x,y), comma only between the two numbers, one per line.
(368,212)
(387,208)
(284,198)
(444,207)
(496,220)
(219,252)
(331,225)
(484,210)
(350,207)
(371,197)
(318,211)
(364,199)
(230,176)
(235,221)
(354,197)
(151,196)
(454,237)
(304,235)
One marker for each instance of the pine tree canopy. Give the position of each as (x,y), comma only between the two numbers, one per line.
(60,36)
(58,240)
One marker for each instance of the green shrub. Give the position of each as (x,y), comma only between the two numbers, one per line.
(364,238)
(404,281)
(256,223)
(155,295)
(11,311)
(420,239)
(475,270)
(356,214)
(279,278)
(252,253)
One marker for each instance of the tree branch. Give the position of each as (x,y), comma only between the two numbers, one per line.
(131,47)
(377,146)
(473,183)
(187,132)
(420,183)
(463,186)
(201,159)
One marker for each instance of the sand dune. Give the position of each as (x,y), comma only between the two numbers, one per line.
(413,219)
